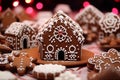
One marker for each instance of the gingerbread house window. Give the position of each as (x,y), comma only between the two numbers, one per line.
(118,36)
(101,35)
(10,39)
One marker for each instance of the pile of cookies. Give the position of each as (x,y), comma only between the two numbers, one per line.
(104,63)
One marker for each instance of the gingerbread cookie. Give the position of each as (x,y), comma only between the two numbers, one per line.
(109,32)
(106,60)
(21,61)
(110,74)
(3,61)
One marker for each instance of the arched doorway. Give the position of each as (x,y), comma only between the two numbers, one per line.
(25,43)
(61,55)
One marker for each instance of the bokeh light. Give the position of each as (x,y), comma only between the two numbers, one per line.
(15,3)
(39,5)
(28,1)
(29,10)
(115,10)
(0,8)
(86,3)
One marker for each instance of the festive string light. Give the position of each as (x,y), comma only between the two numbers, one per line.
(15,3)
(28,1)
(29,10)
(115,10)
(86,3)
(39,5)
(0,8)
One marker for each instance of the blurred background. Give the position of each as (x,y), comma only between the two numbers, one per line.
(76,5)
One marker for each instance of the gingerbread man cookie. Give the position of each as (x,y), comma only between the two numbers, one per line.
(105,61)
(21,61)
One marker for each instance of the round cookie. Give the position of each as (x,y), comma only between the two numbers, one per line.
(47,71)
(22,62)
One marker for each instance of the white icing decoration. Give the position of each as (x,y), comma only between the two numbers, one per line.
(70,48)
(67,75)
(63,18)
(21,31)
(112,57)
(89,15)
(60,34)
(48,56)
(50,47)
(48,68)
(60,49)
(21,41)
(3,59)
(110,23)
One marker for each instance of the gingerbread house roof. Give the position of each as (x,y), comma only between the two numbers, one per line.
(91,9)
(60,15)
(110,23)
(15,28)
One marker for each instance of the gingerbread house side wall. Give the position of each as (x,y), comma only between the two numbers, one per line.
(26,38)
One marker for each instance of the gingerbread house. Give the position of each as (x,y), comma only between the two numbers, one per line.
(89,19)
(6,19)
(60,39)
(21,36)
(109,32)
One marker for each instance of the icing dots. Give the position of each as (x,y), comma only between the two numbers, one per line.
(60,32)
(21,61)
(106,60)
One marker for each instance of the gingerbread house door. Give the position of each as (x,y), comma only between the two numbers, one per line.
(25,42)
(61,55)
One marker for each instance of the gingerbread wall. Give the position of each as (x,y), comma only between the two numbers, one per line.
(61,39)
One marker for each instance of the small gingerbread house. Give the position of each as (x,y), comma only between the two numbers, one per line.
(89,19)
(60,39)
(6,19)
(21,36)
(109,32)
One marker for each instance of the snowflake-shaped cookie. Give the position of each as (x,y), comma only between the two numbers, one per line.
(110,23)
(21,62)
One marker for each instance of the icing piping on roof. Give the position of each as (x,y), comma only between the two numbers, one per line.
(63,18)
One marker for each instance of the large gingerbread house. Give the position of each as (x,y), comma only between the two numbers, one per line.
(89,19)
(60,39)
(21,36)
(109,32)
